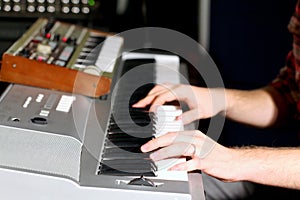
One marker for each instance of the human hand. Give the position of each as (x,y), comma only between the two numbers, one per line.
(202,102)
(205,154)
(192,144)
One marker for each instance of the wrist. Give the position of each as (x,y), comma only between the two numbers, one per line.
(219,100)
(230,96)
(251,162)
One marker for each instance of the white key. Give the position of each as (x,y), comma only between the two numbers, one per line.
(163,127)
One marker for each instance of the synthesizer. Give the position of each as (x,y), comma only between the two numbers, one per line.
(62,56)
(58,145)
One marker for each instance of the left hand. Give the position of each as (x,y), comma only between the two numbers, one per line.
(199,100)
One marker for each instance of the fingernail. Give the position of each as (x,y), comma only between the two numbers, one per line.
(144,148)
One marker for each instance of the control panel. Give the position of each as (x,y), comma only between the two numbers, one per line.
(63,56)
(71,9)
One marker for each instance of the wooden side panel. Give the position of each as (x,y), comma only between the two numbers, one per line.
(16,69)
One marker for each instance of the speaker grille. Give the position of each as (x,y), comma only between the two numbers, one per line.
(40,152)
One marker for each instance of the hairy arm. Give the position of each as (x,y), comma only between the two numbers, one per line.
(261,107)
(270,166)
(264,165)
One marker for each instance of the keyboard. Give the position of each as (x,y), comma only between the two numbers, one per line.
(70,145)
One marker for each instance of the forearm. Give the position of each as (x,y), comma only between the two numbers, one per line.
(270,166)
(254,107)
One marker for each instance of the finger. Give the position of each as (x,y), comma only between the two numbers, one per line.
(144,102)
(175,150)
(156,91)
(190,116)
(189,165)
(189,137)
(159,88)
(161,141)
(162,98)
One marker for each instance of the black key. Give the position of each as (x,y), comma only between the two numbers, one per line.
(146,165)
(129,163)
(132,63)
(125,136)
(131,129)
(118,149)
(125,155)
(123,144)
(106,170)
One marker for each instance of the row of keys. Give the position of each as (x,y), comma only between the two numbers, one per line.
(85,2)
(122,155)
(99,54)
(43,9)
(135,125)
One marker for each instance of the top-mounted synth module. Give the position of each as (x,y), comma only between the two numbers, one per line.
(62,56)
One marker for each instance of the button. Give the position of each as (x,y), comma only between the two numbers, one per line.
(39,120)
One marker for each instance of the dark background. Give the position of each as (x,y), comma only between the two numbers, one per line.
(249,43)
